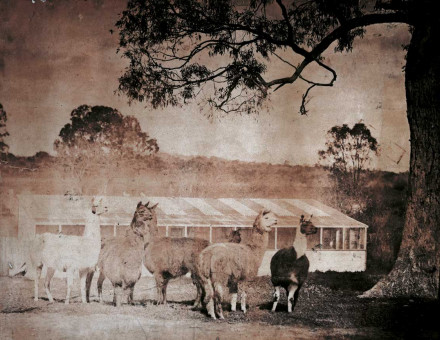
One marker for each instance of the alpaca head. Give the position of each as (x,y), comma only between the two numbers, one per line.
(145,221)
(307,226)
(98,206)
(265,220)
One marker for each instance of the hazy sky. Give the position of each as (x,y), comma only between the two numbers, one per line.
(57,56)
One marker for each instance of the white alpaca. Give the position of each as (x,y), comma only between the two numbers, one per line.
(72,254)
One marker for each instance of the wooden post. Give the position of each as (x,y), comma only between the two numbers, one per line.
(344,235)
(276,238)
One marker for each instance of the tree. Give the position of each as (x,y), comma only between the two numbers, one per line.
(101,135)
(349,150)
(4,148)
(167,41)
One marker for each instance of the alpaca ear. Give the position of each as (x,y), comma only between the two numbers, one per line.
(146,205)
(154,206)
(139,204)
(301,220)
(266,211)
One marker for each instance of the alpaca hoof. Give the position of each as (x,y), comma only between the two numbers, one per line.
(66,302)
(36,299)
(221,317)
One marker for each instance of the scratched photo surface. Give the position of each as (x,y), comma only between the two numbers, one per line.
(112,210)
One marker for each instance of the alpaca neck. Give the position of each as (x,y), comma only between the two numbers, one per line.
(92,227)
(258,241)
(300,243)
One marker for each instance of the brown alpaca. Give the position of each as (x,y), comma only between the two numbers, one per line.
(120,259)
(168,258)
(224,265)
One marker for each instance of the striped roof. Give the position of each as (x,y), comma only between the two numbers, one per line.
(183,211)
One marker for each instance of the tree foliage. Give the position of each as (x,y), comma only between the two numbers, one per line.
(103,132)
(4,148)
(348,152)
(167,42)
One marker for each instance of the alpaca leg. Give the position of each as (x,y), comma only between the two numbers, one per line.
(37,281)
(209,298)
(49,274)
(234,302)
(243,302)
(292,289)
(82,280)
(295,297)
(101,279)
(218,298)
(276,298)
(164,291)
(69,274)
(233,290)
(89,284)
(197,301)
(130,295)
(159,283)
(118,296)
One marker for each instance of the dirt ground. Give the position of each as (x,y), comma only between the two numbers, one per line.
(328,308)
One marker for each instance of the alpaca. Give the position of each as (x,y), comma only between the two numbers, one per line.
(120,259)
(168,258)
(224,265)
(289,266)
(72,254)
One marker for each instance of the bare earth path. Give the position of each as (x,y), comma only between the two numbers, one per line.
(321,313)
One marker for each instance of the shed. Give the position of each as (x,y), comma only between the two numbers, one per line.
(339,245)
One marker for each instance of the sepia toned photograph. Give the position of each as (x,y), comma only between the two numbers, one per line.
(219,169)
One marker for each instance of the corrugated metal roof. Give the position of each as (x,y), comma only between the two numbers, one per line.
(187,211)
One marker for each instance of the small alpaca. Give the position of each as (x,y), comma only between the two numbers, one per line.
(224,265)
(168,258)
(120,259)
(290,266)
(72,254)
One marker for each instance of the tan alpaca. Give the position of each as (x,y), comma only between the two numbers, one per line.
(120,259)
(224,265)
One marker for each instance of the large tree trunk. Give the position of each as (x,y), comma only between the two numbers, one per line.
(416,271)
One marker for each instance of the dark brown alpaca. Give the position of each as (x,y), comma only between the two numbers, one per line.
(289,267)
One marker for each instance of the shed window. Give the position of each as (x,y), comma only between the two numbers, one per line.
(355,238)
(199,232)
(221,234)
(43,228)
(313,240)
(77,230)
(121,230)
(332,238)
(285,237)
(176,232)
(107,231)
